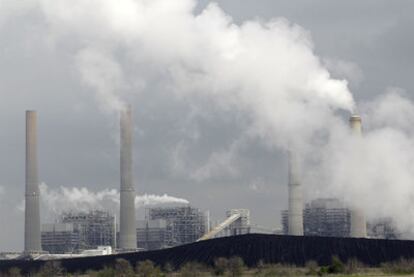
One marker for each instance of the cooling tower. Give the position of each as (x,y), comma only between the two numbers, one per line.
(358,222)
(127,229)
(32,206)
(295,211)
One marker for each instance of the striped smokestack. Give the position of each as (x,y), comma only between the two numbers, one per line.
(358,222)
(127,232)
(295,212)
(32,206)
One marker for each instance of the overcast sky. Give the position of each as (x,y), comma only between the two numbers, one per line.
(188,149)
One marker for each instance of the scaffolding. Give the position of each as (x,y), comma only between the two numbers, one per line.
(326,217)
(183,224)
(95,228)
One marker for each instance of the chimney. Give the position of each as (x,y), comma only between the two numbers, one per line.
(358,221)
(32,206)
(127,230)
(295,212)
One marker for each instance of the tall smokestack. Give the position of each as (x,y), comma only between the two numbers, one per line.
(127,229)
(295,213)
(358,222)
(32,206)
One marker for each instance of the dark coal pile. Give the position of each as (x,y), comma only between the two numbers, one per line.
(252,248)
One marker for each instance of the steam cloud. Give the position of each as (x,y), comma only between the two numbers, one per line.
(267,70)
(55,201)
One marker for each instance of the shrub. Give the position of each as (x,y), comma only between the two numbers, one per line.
(336,266)
(270,270)
(402,266)
(147,269)
(14,272)
(50,269)
(123,268)
(192,269)
(235,266)
(220,266)
(106,272)
(312,268)
(353,266)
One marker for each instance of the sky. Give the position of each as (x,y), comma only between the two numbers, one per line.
(219,90)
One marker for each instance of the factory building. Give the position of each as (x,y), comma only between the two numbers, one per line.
(60,238)
(79,231)
(172,226)
(327,217)
(153,234)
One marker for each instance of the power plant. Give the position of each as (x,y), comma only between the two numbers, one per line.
(295,211)
(358,222)
(32,205)
(127,228)
(168,227)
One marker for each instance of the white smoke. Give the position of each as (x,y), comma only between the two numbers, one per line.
(80,199)
(267,70)
(376,171)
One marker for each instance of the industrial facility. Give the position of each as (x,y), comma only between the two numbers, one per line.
(77,231)
(323,217)
(183,224)
(165,227)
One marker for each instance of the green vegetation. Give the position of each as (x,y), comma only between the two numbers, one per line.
(402,266)
(230,267)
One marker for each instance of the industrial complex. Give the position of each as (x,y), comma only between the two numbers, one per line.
(82,233)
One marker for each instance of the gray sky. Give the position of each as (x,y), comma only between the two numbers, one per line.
(369,43)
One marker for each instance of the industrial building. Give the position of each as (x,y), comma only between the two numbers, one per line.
(153,234)
(172,226)
(60,238)
(79,231)
(327,217)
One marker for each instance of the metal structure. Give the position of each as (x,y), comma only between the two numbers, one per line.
(153,234)
(60,238)
(127,229)
(236,223)
(32,206)
(358,221)
(295,211)
(326,217)
(184,224)
(77,231)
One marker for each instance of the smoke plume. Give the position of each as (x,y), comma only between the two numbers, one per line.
(56,201)
(267,71)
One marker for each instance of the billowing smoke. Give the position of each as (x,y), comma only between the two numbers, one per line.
(267,71)
(56,201)
(377,170)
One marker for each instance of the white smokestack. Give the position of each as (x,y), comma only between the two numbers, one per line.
(32,205)
(295,212)
(127,229)
(358,221)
